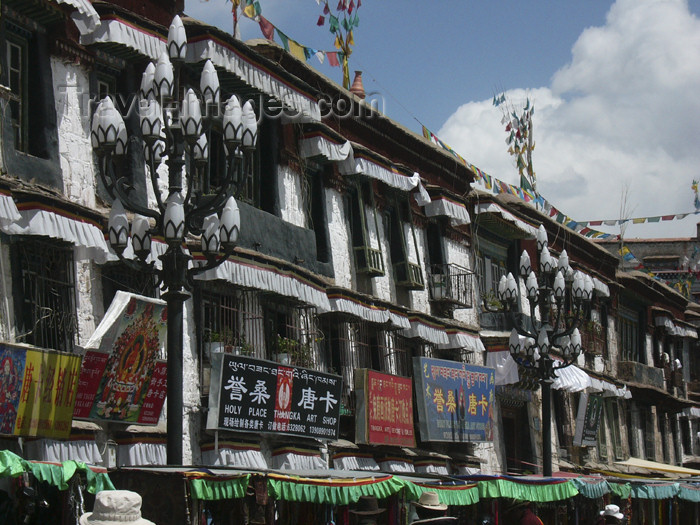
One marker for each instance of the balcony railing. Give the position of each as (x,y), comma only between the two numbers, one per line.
(451,284)
(409,275)
(641,374)
(368,260)
(593,338)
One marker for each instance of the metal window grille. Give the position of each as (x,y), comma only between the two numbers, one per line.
(119,277)
(47,314)
(401,354)
(291,328)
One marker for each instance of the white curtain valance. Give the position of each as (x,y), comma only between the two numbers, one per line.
(601,288)
(432,468)
(269,279)
(354,462)
(85,17)
(464,340)
(426,332)
(368,313)
(492,207)
(396,465)
(57,451)
(608,388)
(297,461)
(356,165)
(571,379)
(506,368)
(463,470)
(233,62)
(233,455)
(692,412)
(675,329)
(456,211)
(8,211)
(115,31)
(319,145)
(86,236)
(138,453)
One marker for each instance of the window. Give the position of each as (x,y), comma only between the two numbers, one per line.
(314,202)
(612,414)
(631,430)
(119,277)
(44,281)
(631,340)
(602,441)
(17,73)
(291,333)
(663,434)
(646,420)
(407,274)
(368,259)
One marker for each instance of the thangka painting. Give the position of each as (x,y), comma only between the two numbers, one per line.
(122,379)
(12,362)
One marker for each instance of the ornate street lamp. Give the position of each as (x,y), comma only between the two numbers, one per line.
(178,126)
(558,300)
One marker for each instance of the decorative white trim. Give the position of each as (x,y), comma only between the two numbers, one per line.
(457,213)
(432,468)
(674,329)
(113,31)
(346,306)
(8,211)
(292,461)
(355,463)
(506,368)
(393,465)
(392,177)
(601,288)
(235,63)
(320,146)
(85,17)
(234,457)
(141,453)
(492,207)
(87,238)
(609,389)
(427,333)
(278,281)
(158,248)
(463,340)
(85,450)
(571,379)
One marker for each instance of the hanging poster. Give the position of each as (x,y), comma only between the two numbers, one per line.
(122,379)
(37,391)
(454,400)
(384,405)
(590,407)
(253,395)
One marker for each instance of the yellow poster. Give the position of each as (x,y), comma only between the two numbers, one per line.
(47,394)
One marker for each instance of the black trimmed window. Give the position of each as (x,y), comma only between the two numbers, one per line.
(119,277)
(17,50)
(44,292)
(368,259)
(291,332)
(407,274)
(632,342)
(315,207)
(612,414)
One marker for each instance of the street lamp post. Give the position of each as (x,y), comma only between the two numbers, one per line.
(558,300)
(175,127)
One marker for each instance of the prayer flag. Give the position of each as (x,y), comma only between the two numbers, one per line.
(321,56)
(268,30)
(297,50)
(333,58)
(333,23)
(351,6)
(350,39)
(321,20)
(284,38)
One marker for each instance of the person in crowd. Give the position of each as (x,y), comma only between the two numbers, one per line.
(367,511)
(611,514)
(430,511)
(115,507)
(521,513)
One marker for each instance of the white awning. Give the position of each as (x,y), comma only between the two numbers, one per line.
(113,30)
(571,379)
(86,235)
(317,145)
(57,451)
(8,211)
(456,211)
(141,451)
(270,279)
(355,164)
(231,454)
(692,412)
(609,389)
(506,368)
(85,17)
(396,465)
(373,314)
(492,207)
(675,329)
(458,339)
(231,60)
(601,288)
(428,333)
(297,460)
(354,461)
(432,467)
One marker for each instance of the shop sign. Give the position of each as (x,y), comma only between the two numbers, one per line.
(454,400)
(253,395)
(124,378)
(37,391)
(384,405)
(590,407)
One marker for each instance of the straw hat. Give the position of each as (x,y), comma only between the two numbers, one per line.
(430,500)
(367,506)
(115,507)
(612,510)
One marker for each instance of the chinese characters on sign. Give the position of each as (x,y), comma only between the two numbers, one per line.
(125,381)
(261,396)
(384,409)
(454,400)
(37,392)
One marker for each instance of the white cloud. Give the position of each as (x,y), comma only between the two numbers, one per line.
(624,111)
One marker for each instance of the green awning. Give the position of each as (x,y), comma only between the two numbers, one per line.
(592,488)
(537,492)
(622,490)
(655,490)
(54,474)
(464,494)
(689,492)
(336,491)
(213,489)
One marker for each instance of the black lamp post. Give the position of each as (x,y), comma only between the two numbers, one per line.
(558,300)
(173,124)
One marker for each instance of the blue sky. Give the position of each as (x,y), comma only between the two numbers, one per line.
(614,85)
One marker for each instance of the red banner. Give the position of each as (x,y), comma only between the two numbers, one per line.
(155,396)
(93,367)
(388,409)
